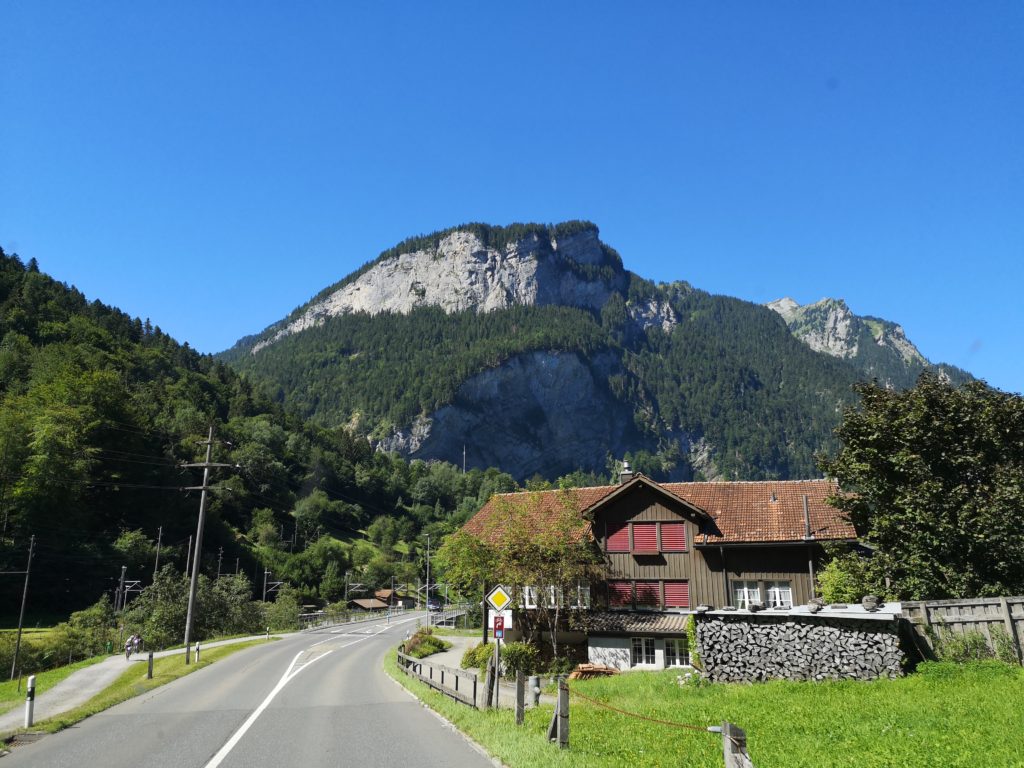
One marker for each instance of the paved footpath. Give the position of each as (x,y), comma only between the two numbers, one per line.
(80,686)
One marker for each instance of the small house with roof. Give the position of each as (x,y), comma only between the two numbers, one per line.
(671,547)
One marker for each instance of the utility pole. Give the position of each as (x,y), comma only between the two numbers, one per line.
(24,598)
(237,561)
(463,458)
(346,587)
(428,568)
(159,538)
(220,556)
(265,574)
(120,590)
(194,584)
(188,554)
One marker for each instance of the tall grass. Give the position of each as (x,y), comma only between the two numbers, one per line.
(944,715)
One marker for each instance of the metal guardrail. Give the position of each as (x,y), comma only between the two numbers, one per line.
(441,678)
(322,619)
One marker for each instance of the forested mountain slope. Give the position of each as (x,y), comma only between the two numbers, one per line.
(99,410)
(532,349)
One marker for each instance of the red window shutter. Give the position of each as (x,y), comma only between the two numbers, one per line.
(620,592)
(645,537)
(677,594)
(673,537)
(647,593)
(618,537)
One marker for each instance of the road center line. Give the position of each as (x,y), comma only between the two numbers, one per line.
(290,673)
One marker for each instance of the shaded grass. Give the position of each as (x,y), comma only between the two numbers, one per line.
(11,697)
(945,715)
(133,682)
(454,632)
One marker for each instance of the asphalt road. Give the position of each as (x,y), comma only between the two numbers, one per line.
(311,700)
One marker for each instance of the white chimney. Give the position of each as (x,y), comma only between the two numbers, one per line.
(626,474)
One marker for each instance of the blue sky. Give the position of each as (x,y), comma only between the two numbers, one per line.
(211,166)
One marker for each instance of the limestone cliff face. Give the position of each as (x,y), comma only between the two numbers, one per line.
(541,412)
(463,274)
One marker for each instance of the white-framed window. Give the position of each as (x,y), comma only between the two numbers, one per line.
(580,596)
(677,653)
(641,651)
(779,594)
(552,596)
(529,597)
(744,593)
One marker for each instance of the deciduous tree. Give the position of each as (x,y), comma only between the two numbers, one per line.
(933,479)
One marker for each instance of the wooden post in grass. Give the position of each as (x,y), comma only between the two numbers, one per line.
(520,697)
(734,747)
(559,727)
(489,683)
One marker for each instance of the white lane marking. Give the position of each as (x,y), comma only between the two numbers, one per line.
(289,674)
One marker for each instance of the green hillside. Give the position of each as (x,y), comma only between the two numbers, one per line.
(98,411)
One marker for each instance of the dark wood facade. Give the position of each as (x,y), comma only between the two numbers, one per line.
(710,570)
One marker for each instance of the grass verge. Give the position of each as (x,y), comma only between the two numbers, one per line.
(946,714)
(453,632)
(11,697)
(134,682)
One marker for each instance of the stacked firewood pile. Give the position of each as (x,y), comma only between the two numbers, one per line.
(759,647)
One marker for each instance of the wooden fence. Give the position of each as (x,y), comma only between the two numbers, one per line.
(982,614)
(442,678)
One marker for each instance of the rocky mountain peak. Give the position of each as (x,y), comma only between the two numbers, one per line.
(830,326)
(474,268)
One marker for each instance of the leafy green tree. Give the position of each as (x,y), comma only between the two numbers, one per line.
(332,586)
(384,532)
(283,614)
(933,479)
(846,577)
(135,548)
(525,546)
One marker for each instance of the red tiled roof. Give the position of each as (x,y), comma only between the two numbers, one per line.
(537,506)
(743,512)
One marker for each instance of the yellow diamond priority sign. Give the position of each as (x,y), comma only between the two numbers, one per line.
(499,598)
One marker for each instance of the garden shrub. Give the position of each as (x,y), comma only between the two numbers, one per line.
(519,657)
(424,642)
(476,656)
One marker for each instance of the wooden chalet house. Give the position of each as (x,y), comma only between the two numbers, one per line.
(671,547)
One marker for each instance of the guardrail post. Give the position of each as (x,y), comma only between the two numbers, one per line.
(534,685)
(30,700)
(149,672)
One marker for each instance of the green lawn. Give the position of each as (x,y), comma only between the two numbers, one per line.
(11,696)
(944,715)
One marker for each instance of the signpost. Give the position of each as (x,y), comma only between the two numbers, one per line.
(499,599)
